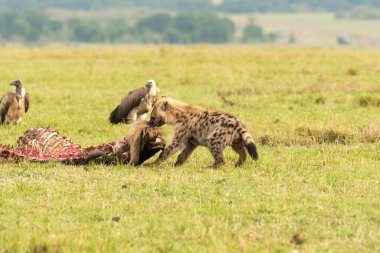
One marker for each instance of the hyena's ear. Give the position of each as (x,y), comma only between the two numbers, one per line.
(165,106)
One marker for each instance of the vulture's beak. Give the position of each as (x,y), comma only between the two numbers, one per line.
(158,143)
(15,83)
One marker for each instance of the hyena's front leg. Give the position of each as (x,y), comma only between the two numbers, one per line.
(169,151)
(185,153)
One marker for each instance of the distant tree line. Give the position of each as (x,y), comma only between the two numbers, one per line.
(195,5)
(33,27)
(253,33)
(186,28)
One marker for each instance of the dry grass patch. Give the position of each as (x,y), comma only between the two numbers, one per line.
(352,72)
(370,133)
(366,101)
(320,100)
(307,134)
(270,140)
(241,90)
(310,135)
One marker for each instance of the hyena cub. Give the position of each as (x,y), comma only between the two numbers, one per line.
(197,126)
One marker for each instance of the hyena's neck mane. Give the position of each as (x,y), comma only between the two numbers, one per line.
(186,113)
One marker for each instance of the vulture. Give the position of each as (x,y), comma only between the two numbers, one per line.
(14,104)
(136,104)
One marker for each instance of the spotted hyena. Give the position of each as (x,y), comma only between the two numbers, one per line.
(197,126)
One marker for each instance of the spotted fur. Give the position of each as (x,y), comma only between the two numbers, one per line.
(194,126)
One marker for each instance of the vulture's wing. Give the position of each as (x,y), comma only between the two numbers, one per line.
(129,102)
(5,102)
(27,102)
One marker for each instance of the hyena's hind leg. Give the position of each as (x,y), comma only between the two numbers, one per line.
(216,149)
(239,148)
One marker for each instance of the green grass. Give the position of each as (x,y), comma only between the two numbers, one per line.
(315,116)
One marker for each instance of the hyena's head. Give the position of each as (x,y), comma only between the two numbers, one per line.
(164,112)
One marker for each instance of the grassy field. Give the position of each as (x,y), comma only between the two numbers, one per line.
(313,112)
(314,29)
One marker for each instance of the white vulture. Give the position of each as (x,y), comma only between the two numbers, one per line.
(136,104)
(14,104)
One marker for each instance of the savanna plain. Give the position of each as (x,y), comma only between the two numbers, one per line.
(314,114)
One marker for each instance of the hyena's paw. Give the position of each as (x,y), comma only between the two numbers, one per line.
(152,164)
(216,165)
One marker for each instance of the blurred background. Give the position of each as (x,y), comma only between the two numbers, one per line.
(324,23)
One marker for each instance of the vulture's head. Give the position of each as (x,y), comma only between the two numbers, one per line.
(17,83)
(152,88)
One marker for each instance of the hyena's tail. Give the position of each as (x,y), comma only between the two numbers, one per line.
(248,142)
